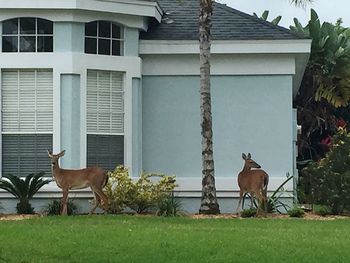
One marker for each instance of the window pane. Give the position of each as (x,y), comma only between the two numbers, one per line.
(91,29)
(45,26)
(106,151)
(104,29)
(9,44)
(45,44)
(104,47)
(10,27)
(90,45)
(116,48)
(27,25)
(23,154)
(115,31)
(27,44)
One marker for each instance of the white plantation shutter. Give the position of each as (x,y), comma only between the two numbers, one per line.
(105,102)
(27,100)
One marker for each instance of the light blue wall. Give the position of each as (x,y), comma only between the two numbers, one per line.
(131,42)
(136,126)
(250,114)
(69,37)
(70,120)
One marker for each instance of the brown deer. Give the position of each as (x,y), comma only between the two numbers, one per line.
(252,181)
(94,177)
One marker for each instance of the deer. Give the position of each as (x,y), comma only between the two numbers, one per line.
(67,179)
(252,181)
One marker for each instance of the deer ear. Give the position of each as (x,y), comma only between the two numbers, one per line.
(62,153)
(249,156)
(49,153)
(244,157)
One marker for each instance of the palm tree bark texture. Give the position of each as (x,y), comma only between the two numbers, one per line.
(209,204)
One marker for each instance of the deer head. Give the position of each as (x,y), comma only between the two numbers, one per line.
(249,162)
(55,157)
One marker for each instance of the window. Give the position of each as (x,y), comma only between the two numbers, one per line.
(103,38)
(27,35)
(105,119)
(27,120)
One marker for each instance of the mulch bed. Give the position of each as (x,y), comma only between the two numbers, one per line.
(308,216)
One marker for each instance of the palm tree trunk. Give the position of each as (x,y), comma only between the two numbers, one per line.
(209,204)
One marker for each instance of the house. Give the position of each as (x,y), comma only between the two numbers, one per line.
(116,82)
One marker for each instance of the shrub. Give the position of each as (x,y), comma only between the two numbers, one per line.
(23,189)
(251,212)
(296,212)
(54,208)
(330,177)
(170,206)
(142,195)
(322,211)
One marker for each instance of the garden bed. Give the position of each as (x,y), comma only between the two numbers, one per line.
(308,216)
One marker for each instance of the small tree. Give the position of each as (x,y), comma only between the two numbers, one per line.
(330,177)
(23,189)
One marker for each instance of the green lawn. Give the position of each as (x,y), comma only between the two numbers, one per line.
(157,239)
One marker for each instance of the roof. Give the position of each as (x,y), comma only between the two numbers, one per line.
(180,22)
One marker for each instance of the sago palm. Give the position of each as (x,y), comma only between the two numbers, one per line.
(23,189)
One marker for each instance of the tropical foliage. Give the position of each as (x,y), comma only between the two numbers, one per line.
(329,179)
(265,16)
(325,88)
(23,189)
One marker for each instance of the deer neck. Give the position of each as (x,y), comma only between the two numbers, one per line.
(246,168)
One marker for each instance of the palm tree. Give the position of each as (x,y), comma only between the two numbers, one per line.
(209,203)
(23,189)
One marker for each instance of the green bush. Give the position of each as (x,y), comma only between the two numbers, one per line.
(330,177)
(322,211)
(54,208)
(251,212)
(296,212)
(142,195)
(169,206)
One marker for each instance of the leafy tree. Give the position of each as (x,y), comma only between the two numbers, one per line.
(23,189)
(325,86)
(329,178)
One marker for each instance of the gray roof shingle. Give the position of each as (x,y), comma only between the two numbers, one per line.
(228,24)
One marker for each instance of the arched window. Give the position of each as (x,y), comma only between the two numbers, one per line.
(103,38)
(27,34)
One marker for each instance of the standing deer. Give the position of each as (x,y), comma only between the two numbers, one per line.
(94,177)
(252,181)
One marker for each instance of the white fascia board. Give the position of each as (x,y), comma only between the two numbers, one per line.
(128,7)
(148,47)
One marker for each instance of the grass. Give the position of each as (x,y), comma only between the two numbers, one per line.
(158,239)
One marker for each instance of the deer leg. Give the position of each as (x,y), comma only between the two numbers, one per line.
(251,200)
(97,202)
(64,202)
(102,197)
(240,200)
